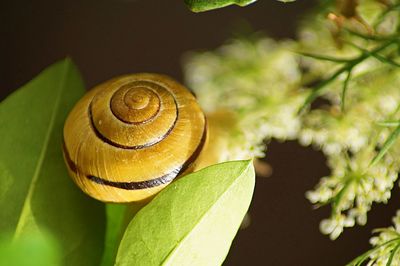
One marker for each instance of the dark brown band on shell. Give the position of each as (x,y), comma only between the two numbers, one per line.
(167,178)
(136,147)
(71,164)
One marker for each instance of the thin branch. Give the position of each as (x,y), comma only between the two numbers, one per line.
(344,90)
(360,259)
(348,66)
(325,58)
(386,146)
(381,58)
(372,37)
(389,123)
(394,251)
(382,16)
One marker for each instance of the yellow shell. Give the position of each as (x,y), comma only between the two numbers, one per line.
(129,137)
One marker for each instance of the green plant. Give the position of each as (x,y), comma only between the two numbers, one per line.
(204,5)
(253,89)
(42,207)
(347,53)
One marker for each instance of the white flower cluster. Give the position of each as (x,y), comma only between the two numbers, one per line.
(386,245)
(352,188)
(262,83)
(350,138)
(258,81)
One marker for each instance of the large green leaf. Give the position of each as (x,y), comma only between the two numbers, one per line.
(36,249)
(36,192)
(193,221)
(204,5)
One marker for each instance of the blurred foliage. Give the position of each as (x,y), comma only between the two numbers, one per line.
(205,5)
(31,249)
(347,57)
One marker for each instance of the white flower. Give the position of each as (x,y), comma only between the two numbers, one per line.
(352,189)
(386,242)
(334,226)
(259,82)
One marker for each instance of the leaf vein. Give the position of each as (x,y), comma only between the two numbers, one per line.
(25,208)
(204,215)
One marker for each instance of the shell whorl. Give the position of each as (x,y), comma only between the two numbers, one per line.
(130,136)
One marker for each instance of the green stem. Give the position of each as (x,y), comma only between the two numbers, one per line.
(372,37)
(325,58)
(393,123)
(360,259)
(339,196)
(382,16)
(347,67)
(381,58)
(344,90)
(386,146)
(394,251)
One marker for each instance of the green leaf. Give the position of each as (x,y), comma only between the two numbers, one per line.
(118,218)
(205,5)
(115,221)
(33,249)
(386,146)
(193,221)
(36,192)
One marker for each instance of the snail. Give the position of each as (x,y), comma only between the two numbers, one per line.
(129,137)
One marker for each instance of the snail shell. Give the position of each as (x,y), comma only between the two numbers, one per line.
(129,137)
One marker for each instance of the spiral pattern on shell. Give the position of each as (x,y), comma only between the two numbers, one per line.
(129,137)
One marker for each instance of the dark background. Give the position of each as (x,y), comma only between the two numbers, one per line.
(106,38)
